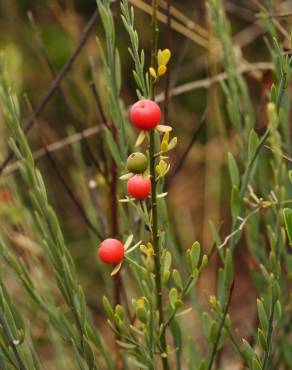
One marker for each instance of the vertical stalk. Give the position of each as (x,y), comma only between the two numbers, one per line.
(117,280)
(115,227)
(219,331)
(113,183)
(10,341)
(155,238)
(269,337)
(156,246)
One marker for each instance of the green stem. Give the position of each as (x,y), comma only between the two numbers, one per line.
(155,238)
(216,343)
(156,247)
(10,342)
(234,342)
(269,337)
(182,296)
(232,339)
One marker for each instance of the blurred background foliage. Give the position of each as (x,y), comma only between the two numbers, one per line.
(37,38)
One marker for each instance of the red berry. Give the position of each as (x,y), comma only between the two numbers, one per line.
(139,187)
(111,251)
(145,114)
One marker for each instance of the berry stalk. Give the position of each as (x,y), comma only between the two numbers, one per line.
(156,247)
(155,237)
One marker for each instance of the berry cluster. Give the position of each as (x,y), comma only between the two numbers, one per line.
(145,115)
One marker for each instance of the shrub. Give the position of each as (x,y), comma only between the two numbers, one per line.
(154,293)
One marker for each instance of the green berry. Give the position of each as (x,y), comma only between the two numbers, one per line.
(137,163)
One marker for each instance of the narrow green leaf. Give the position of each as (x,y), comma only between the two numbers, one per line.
(253,142)
(212,331)
(116,269)
(112,146)
(278,311)
(206,323)
(233,170)
(173,296)
(177,279)
(256,365)
(167,261)
(215,233)
(140,138)
(195,254)
(107,307)
(262,316)
(228,268)
(262,340)
(125,345)
(138,364)
(235,203)
(248,351)
(288,223)
(118,70)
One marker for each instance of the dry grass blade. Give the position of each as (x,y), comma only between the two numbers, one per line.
(180,16)
(180,28)
(208,82)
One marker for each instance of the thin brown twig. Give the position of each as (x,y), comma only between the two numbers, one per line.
(276,15)
(53,73)
(214,245)
(289,159)
(177,26)
(240,11)
(98,104)
(28,124)
(105,123)
(72,195)
(239,229)
(56,146)
(183,52)
(187,150)
(184,19)
(64,182)
(218,336)
(276,23)
(204,83)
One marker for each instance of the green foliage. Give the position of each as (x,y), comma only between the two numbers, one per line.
(53,242)
(151,297)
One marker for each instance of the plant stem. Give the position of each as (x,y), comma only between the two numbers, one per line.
(156,246)
(155,238)
(182,296)
(269,337)
(216,343)
(10,341)
(28,124)
(114,218)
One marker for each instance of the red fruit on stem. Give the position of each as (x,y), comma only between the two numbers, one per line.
(139,187)
(111,251)
(145,114)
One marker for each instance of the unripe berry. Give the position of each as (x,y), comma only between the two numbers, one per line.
(139,187)
(137,163)
(145,114)
(111,251)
